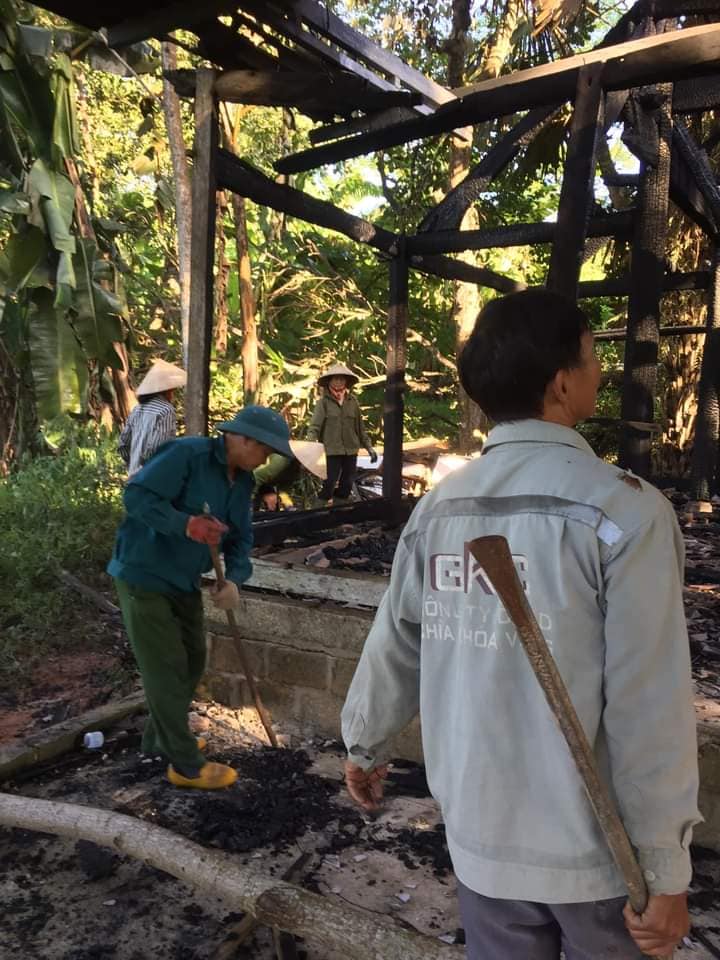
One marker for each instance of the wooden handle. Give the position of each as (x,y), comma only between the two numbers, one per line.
(265,717)
(493,555)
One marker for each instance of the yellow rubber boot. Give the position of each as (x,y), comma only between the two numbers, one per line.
(212,776)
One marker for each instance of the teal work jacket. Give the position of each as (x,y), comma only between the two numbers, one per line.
(151,549)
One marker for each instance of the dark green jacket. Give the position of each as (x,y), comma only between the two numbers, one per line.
(339,427)
(151,549)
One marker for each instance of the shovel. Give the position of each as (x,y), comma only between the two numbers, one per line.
(493,555)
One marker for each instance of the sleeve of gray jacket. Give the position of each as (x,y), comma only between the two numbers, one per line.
(649,716)
(385,692)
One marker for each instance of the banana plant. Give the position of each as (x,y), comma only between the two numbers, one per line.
(65,311)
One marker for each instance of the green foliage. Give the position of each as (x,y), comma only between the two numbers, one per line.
(59,511)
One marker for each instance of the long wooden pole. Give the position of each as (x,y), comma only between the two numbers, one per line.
(395,381)
(336,926)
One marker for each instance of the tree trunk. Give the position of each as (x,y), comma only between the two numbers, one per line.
(474,424)
(247,304)
(181,176)
(332,926)
(221,277)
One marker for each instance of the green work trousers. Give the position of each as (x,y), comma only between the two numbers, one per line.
(167,637)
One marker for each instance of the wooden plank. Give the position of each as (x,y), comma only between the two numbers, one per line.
(618,225)
(373,121)
(681,330)
(647,270)
(661,58)
(331,26)
(202,245)
(161,20)
(394,403)
(340,586)
(63,737)
(576,192)
(337,92)
(301,522)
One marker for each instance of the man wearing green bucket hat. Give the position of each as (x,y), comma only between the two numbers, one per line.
(162,548)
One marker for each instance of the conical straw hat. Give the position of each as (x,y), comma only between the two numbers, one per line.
(311,455)
(160,377)
(337,370)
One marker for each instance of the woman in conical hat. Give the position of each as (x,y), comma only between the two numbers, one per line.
(153,421)
(338,424)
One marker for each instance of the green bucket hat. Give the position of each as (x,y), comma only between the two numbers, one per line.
(262,424)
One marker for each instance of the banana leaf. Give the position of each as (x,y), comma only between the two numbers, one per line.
(14,201)
(58,366)
(54,195)
(96,311)
(65,134)
(21,256)
(26,97)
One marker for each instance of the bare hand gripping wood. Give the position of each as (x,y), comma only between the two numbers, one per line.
(493,554)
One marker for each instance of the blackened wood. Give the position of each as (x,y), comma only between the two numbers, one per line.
(618,225)
(704,459)
(661,58)
(340,92)
(296,523)
(202,245)
(449,213)
(372,121)
(576,192)
(450,269)
(621,286)
(242,178)
(647,270)
(394,406)
(321,19)
(163,19)
(686,194)
(700,169)
(681,330)
(696,94)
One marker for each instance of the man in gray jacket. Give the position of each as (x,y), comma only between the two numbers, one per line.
(601,557)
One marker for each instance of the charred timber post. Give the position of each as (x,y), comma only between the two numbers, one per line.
(577,183)
(621,286)
(704,461)
(202,249)
(647,270)
(395,380)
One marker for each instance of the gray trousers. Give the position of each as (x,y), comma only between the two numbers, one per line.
(519,930)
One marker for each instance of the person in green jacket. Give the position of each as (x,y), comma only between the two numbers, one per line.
(194,493)
(337,423)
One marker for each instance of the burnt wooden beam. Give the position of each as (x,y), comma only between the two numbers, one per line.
(621,179)
(449,213)
(651,59)
(202,247)
(278,526)
(321,19)
(702,173)
(372,121)
(621,286)
(242,178)
(161,20)
(685,192)
(576,192)
(394,404)
(619,225)
(704,459)
(340,93)
(683,330)
(647,270)
(289,26)
(697,94)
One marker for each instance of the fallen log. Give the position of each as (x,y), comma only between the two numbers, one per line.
(97,598)
(358,934)
(63,737)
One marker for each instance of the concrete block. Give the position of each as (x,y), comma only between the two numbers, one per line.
(224,657)
(226,689)
(708,834)
(342,673)
(326,627)
(298,667)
